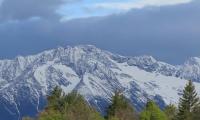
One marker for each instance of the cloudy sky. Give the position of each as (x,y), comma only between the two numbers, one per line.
(169,30)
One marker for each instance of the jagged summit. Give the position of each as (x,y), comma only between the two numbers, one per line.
(193,61)
(94,73)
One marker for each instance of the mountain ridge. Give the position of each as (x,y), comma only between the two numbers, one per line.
(94,73)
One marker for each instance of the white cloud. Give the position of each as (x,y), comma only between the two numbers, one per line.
(138,4)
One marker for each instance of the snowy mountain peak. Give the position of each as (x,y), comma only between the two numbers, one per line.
(94,73)
(191,69)
(146,58)
(142,60)
(193,61)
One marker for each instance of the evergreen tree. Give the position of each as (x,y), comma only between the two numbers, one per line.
(120,109)
(196,113)
(67,107)
(188,103)
(170,112)
(152,112)
(50,114)
(55,97)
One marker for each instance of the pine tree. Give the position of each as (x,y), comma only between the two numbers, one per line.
(54,98)
(67,107)
(120,109)
(196,113)
(170,112)
(188,102)
(152,112)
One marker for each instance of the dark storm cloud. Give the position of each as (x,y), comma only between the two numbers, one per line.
(169,33)
(25,9)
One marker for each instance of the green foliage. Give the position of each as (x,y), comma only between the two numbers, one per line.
(170,112)
(73,107)
(67,107)
(27,118)
(120,109)
(55,98)
(50,114)
(188,103)
(152,112)
(196,113)
(114,118)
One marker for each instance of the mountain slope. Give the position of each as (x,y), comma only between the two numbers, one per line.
(96,74)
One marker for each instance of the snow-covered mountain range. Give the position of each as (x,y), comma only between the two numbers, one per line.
(96,74)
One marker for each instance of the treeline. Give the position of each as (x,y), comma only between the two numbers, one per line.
(73,107)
